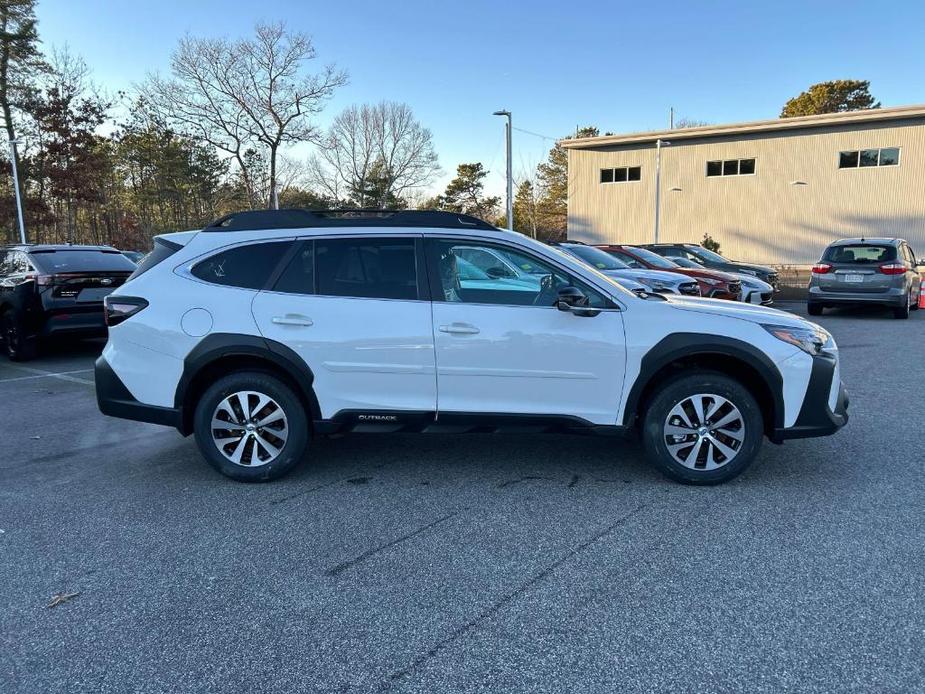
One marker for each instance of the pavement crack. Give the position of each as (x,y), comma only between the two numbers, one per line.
(526,478)
(340,568)
(505,600)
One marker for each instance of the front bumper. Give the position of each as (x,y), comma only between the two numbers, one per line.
(115,400)
(816,417)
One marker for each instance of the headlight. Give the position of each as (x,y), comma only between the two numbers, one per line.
(810,340)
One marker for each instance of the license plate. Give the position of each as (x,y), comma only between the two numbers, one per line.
(854,278)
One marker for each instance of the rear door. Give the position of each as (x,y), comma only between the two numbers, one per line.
(357,310)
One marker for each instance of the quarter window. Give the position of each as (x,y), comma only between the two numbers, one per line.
(731,167)
(621,174)
(248,267)
(366,268)
(885,156)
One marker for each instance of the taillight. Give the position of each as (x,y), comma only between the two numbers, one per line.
(822,268)
(119,309)
(893,269)
(42,280)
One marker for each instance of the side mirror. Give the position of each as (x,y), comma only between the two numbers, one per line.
(572,299)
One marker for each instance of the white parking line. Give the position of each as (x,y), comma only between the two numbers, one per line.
(41,373)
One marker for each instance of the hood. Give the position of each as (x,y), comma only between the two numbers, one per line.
(751,280)
(734,266)
(670,278)
(713,274)
(735,309)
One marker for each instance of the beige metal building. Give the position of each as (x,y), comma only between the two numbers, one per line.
(775,191)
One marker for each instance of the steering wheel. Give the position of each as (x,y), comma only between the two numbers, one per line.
(548,292)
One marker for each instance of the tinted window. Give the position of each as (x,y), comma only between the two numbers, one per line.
(731,167)
(746,167)
(869,157)
(847,160)
(654,258)
(463,282)
(248,267)
(635,173)
(595,257)
(299,275)
(79,260)
(714,168)
(606,175)
(366,268)
(889,156)
(625,258)
(860,253)
(163,249)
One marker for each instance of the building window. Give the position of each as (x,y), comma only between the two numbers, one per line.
(885,156)
(731,167)
(621,174)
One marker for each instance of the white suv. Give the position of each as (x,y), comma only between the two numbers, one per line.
(270,327)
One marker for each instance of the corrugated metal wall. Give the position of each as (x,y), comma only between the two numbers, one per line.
(765,217)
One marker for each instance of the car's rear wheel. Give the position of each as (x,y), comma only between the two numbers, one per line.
(703,428)
(251,427)
(17,345)
(814,309)
(903,311)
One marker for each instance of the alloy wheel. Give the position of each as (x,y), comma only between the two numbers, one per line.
(249,428)
(704,431)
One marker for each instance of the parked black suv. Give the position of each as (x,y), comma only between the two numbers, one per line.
(53,291)
(714,261)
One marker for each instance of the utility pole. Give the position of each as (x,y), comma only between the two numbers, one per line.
(671,118)
(22,226)
(510,169)
(658,170)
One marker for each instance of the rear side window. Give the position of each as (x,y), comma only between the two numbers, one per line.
(860,253)
(51,262)
(299,275)
(366,268)
(248,267)
(163,249)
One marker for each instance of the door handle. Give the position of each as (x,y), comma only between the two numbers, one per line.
(459,329)
(293,319)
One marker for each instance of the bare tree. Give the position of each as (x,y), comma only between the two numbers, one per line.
(238,95)
(375,154)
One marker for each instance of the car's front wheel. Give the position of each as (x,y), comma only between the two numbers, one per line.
(702,428)
(251,426)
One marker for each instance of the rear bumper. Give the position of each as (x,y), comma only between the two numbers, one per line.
(888,297)
(816,418)
(115,400)
(87,322)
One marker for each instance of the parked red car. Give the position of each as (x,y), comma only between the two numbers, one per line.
(717,285)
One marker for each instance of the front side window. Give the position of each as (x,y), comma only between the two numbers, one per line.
(731,167)
(368,268)
(461,281)
(247,267)
(862,158)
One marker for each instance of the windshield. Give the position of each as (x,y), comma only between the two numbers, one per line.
(653,259)
(709,255)
(597,258)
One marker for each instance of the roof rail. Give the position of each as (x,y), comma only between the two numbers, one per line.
(297,218)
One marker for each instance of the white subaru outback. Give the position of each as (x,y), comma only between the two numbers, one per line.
(267,328)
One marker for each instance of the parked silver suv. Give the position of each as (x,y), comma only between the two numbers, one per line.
(866,271)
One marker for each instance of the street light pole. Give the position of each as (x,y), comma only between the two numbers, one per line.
(658,170)
(510,169)
(22,226)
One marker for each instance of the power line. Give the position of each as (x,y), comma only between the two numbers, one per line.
(530,132)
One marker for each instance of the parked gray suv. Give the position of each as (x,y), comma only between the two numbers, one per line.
(866,271)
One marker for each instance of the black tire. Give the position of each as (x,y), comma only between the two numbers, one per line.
(902,312)
(18,347)
(296,427)
(814,309)
(676,392)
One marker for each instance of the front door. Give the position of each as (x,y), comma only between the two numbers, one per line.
(503,347)
(355,309)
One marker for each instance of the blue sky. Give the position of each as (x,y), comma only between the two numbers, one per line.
(555,65)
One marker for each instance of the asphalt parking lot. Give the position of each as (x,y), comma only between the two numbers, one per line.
(480,563)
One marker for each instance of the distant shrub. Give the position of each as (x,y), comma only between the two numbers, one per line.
(710,243)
